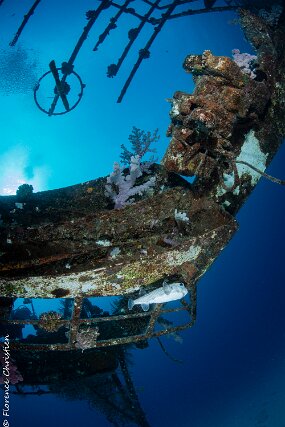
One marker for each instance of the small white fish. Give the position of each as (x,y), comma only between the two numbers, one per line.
(167,292)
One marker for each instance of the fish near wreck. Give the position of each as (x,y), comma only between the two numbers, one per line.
(166,293)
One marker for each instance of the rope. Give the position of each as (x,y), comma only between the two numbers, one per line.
(265,175)
(166,352)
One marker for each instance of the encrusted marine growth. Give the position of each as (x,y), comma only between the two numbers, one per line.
(98,250)
(49,321)
(71,242)
(208,127)
(87,338)
(228,130)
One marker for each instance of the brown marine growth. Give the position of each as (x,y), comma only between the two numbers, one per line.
(210,127)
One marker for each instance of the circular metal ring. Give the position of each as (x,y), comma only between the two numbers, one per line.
(37,86)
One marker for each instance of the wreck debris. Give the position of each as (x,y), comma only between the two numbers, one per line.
(152,246)
(42,243)
(167,12)
(24,22)
(61,89)
(100,330)
(132,35)
(67,67)
(62,243)
(102,378)
(228,130)
(204,124)
(155,15)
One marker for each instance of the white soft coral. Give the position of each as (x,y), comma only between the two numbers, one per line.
(121,188)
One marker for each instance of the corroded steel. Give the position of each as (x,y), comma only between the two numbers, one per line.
(51,255)
(229,129)
(155,15)
(24,22)
(72,243)
(73,326)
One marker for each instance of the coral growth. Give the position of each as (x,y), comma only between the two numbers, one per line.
(9,369)
(86,338)
(207,127)
(245,61)
(121,188)
(140,143)
(24,192)
(49,321)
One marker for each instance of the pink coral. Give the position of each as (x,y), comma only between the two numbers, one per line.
(245,61)
(9,369)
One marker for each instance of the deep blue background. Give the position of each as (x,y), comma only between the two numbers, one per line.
(233,367)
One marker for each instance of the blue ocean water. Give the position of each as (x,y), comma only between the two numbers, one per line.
(232,372)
